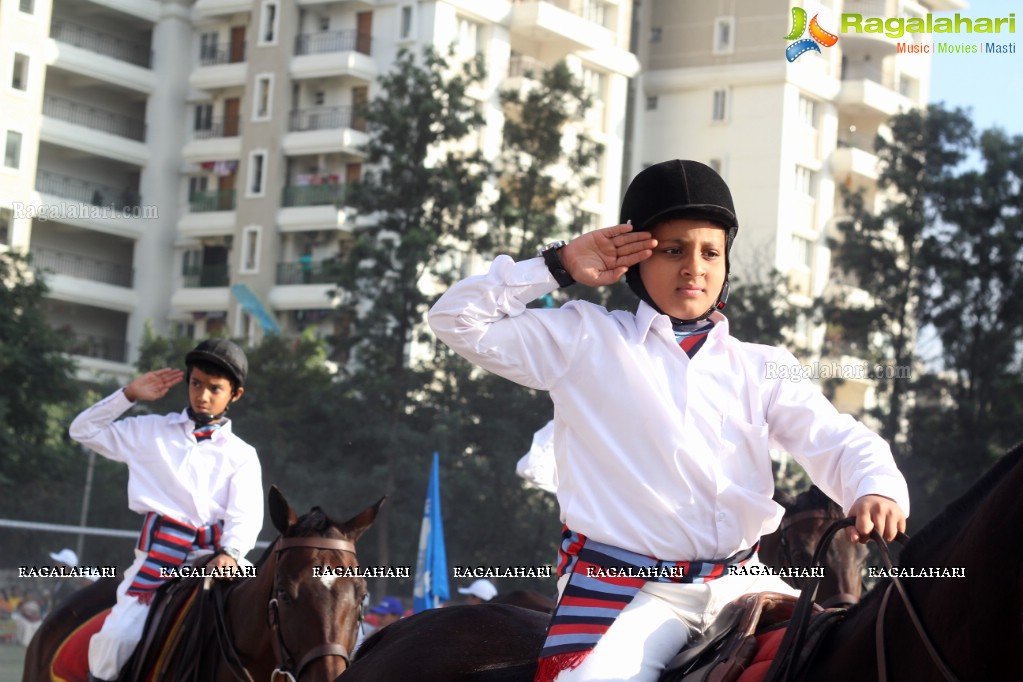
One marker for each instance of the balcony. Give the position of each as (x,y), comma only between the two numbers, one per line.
(97,347)
(868,98)
(334,53)
(217,200)
(94,118)
(560,26)
(222,126)
(218,138)
(82,267)
(313,195)
(205,277)
(324,272)
(325,118)
(85,192)
(219,68)
(107,44)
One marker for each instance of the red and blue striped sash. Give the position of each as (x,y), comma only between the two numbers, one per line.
(167,543)
(602,583)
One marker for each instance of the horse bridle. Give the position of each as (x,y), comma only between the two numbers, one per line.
(793,640)
(785,556)
(287,669)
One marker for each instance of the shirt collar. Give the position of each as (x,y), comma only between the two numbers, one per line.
(647,318)
(183,418)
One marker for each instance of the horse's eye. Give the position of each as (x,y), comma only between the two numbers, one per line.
(283,596)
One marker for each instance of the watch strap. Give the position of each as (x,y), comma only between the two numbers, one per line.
(552,259)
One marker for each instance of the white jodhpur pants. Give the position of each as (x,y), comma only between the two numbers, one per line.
(659,621)
(112,646)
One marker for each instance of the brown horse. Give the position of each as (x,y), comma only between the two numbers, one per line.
(967,598)
(807,517)
(286,618)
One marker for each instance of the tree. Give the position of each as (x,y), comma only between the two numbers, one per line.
(41,469)
(421,199)
(880,250)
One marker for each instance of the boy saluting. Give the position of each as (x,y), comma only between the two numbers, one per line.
(662,424)
(197,484)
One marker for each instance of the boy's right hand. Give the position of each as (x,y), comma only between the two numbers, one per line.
(153,385)
(601,257)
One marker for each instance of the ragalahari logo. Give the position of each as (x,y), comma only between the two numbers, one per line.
(817,36)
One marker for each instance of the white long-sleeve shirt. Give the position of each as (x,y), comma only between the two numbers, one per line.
(170,473)
(658,453)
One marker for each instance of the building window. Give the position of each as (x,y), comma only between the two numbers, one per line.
(719,111)
(257,171)
(197,184)
(319,98)
(19,78)
(716,165)
(806,181)
(595,11)
(250,250)
(324,23)
(808,111)
(469,35)
(203,117)
(655,34)
(802,252)
(651,103)
(27,6)
(405,30)
(724,35)
(208,47)
(268,30)
(12,150)
(6,218)
(261,103)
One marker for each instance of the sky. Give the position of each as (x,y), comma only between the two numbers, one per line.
(991,84)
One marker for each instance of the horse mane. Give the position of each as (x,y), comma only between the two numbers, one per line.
(815,498)
(316,522)
(957,512)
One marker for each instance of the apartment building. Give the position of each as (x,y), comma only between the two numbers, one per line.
(183,163)
(716,86)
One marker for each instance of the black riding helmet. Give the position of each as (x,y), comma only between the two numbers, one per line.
(223,354)
(679,189)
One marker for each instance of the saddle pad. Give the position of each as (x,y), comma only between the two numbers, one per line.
(71,662)
(767,648)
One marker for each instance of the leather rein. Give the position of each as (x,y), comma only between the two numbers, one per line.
(783,666)
(287,669)
(785,555)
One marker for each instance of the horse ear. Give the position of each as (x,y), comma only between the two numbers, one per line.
(360,523)
(281,513)
(784,498)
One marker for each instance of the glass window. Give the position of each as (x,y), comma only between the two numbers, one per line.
(724,35)
(12,150)
(19,78)
(406,23)
(268,34)
(250,250)
(719,111)
(257,161)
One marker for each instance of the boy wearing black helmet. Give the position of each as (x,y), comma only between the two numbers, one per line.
(197,484)
(662,425)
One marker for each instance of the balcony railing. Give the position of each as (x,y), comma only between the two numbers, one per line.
(91,117)
(204,276)
(313,195)
(217,200)
(325,118)
(324,272)
(333,41)
(522,65)
(82,267)
(222,126)
(86,192)
(211,56)
(99,347)
(101,42)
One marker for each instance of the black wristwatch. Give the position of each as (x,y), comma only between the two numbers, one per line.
(549,253)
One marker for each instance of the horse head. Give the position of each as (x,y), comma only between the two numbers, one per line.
(316,598)
(807,517)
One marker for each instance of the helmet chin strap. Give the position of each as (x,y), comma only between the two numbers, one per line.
(204,418)
(719,305)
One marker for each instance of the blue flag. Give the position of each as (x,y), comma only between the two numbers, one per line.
(432,561)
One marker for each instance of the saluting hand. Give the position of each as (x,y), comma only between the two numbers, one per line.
(153,385)
(602,256)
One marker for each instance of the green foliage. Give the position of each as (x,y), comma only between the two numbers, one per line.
(880,250)
(543,134)
(760,311)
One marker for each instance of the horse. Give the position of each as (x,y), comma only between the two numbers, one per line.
(966,613)
(292,618)
(527,599)
(807,517)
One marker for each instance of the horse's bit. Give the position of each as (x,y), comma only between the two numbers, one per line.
(287,669)
(785,556)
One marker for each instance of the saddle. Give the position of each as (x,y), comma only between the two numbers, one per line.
(165,628)
(746,632)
